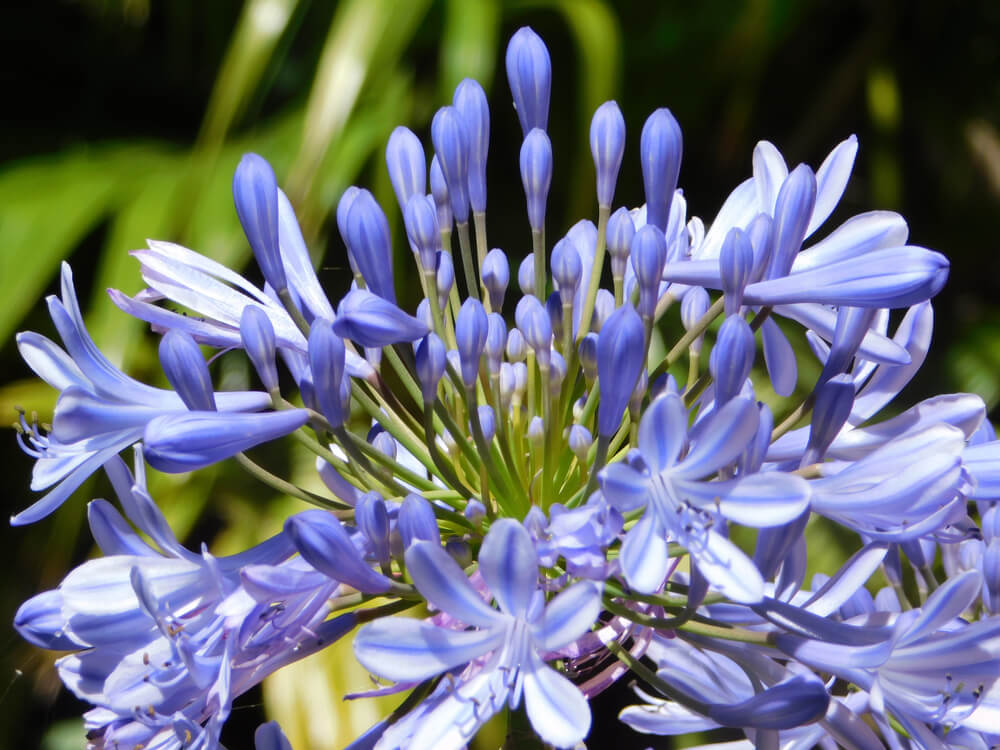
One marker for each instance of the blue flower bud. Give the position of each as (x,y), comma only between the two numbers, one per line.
(459,550)
(187,371)
(536,432)
(792,213)
(517,347)
(834,400)
(526,274)
(417,522)
(604,306)
(451,144)
(407,165)
(649,254)
(607,145)
(580,441)
(445,276)
(588,356)
(326,545)
(529,75)
(621,230)
(694,305)
(422,230)
(853,323)
(557,373)
(344,208)
(475,511)
(520,370)
(470,101)
(496,340)
(471,326)
(430,364)
(487,422)
(335,482)
(536,175)
(553,306)
(255,192)
(638,393)
(374,322)
(368,238)
(660,150)
(506,385)
(423,313)
(566,269)
(735,266)
(621,356)
(372,519)
(439,192)
(496,276)
(192,440)
(731,358)
(382,441)
(327,361)
(534,323)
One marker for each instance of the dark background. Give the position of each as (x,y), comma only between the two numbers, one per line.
(918,84)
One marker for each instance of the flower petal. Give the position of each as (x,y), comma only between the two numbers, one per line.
(568,616)
(663,432)
(644,555)
(443,584)
(509,565)
(405,650)
(558,712)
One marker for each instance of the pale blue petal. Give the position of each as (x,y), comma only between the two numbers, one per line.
(112,533)
(644,555)
(738,210)
(663,432)
(854,238)
(947,602)
(509,565)
(49,361)
(665,718)
(831,179)
(568,616)
(438,577)
(852,576)
(405,650)
(727,568)
(758,500)
(721,440)
(769,499)
(769,172)
(558,712)
(624,487)
(914,335)
(874,347)
(455,720)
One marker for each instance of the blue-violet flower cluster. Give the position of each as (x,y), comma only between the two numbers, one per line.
(569,499)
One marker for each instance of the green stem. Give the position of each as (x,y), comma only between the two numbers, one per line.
(594,282)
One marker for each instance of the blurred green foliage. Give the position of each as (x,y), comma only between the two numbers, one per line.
(126,117)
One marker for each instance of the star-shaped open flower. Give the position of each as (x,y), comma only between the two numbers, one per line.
(683,507)
(514,640)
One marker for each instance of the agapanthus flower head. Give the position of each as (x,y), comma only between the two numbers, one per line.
(573,495)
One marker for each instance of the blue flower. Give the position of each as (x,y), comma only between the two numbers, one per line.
(680,506)
(516,637)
